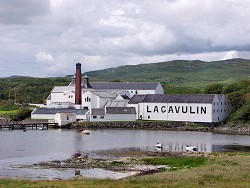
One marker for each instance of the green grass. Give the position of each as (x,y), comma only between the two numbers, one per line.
(177,163)
(8,112)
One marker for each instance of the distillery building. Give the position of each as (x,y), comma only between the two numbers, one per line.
(129,101)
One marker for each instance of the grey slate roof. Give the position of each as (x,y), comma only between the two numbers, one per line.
(137,99)
(120,110)
(125,97)
(125,85)
(178,98)
(97,111)
(60,110)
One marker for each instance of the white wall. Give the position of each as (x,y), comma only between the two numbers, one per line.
(87,99)
(177,112)
(159,89)
(220,109)
(63,119)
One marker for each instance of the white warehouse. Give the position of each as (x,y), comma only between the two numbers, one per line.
(182,107)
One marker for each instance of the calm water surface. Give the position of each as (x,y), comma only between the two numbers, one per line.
(18,147)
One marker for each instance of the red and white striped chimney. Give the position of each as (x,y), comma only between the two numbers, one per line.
(78,85)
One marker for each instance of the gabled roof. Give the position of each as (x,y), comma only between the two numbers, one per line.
(62,89)
(120,110)
(180,98)
(97,111)
(125,85)
(116,103)
(104,94)
(137,99)
(125,97)
(66,113)
(59,110)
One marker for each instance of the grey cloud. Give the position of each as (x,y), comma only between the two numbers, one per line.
(22,11)
(110,33)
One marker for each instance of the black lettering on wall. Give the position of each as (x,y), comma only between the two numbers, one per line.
(177,109)
(203,110)
(190,109)
(170,109)
(184,110)
(197,108)
(148,109)
(163,109)
(156,109)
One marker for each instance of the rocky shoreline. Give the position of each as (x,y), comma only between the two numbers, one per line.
(174,126)
(117,160)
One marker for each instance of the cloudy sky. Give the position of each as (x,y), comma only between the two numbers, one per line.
(48,37)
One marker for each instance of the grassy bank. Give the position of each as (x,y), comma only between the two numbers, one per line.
(8,113)
(219,170)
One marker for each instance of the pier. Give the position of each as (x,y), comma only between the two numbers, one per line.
(27,125)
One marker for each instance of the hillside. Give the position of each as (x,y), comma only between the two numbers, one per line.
(176,77)
(179,73)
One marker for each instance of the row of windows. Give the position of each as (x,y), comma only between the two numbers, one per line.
(225,103)
(221,110)
(95,117)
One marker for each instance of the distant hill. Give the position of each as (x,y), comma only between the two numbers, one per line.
(176,77)
(179,73)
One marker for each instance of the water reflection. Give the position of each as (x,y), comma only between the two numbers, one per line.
(32,146)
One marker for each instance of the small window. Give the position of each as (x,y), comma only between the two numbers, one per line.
(214,103)
(102,117)
(218,118)
(214,110)
(140,116)
(221,110)
(221,103)
(217,103)
(94,117)
(131,91)
(148,117)
(67,118)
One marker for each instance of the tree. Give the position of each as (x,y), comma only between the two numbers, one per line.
(214,88)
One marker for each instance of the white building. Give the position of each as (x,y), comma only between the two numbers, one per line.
(182,107)
(64,96)
(128,101)
(50,113)
(65,118)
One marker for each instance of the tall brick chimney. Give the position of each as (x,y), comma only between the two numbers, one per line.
(78,85)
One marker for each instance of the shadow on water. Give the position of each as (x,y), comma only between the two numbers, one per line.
(233,148)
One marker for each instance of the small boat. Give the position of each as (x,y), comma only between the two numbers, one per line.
(191,148)
(85,132)
(158,145)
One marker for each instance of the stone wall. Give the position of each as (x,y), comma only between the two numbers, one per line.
(131,125)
